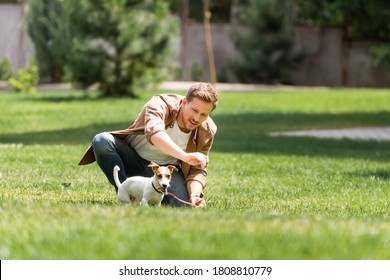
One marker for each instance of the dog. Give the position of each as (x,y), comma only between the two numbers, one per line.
(145,191)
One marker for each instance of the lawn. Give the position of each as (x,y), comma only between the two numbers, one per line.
(267,197)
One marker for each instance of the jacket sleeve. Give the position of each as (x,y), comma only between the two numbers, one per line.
(196,173)
(203,145)
(155,112)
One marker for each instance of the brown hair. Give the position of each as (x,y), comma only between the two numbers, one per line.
(205,92)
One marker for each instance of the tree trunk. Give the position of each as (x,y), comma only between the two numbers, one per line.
(207,35)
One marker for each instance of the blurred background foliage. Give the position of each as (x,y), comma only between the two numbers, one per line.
(270,39)
(124,45)
(120,45)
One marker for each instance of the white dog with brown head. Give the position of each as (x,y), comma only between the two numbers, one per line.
(145,190)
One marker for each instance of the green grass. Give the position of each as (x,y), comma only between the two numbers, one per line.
(267,197)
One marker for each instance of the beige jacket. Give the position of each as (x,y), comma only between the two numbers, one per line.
(159,113)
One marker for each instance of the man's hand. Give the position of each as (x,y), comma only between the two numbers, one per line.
(164,143)
(197,201)
(196,159)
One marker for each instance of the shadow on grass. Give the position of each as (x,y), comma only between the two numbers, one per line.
(67,96)
(71,136)
(307,146)
(77,96)
(248,133)
(383,175)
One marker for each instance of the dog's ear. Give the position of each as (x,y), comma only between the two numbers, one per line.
(153,165)
(172,168)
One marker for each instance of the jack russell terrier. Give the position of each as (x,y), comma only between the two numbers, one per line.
(145,191)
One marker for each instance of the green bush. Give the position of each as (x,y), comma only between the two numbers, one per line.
(196,72)
(267,44)
(381,55)
(25,80)
(121,45)
(49,28)
(85,64)
(5,69)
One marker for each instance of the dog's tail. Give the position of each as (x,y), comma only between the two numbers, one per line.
(116,178)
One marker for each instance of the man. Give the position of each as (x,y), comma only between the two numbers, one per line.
(171,129)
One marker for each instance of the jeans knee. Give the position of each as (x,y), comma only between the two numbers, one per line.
(101,141)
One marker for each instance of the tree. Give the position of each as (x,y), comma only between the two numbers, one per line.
(359,19)
(266,44)
(122,45)
(49,29)
(381,53)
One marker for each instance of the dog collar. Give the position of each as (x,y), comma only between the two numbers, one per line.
(157,190)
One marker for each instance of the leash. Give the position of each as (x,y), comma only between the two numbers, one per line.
(171,194)
(181,200)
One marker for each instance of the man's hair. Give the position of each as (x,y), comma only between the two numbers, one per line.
(205,92)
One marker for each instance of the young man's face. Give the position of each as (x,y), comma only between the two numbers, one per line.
(193,113)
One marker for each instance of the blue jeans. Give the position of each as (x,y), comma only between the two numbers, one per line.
(110,151)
